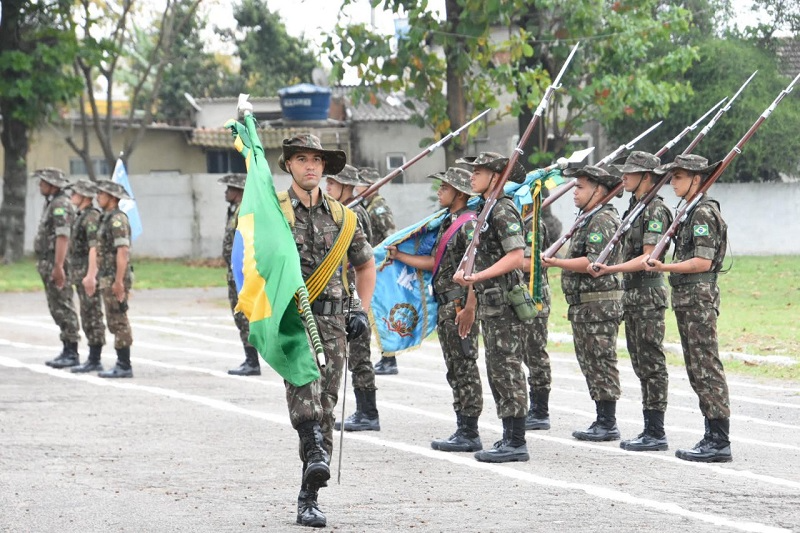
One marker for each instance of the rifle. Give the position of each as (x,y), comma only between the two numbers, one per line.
(468,261)
(369,191)
(626,223)
(583,217)
(698,195)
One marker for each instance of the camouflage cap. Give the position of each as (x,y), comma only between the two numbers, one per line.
(233,180)
(639,162)
(457,177)
(496,163)
(84,187)
(369,174)
(690,162)
(596,174)
(334,159)
(349,176)
(53,176)
(113,188)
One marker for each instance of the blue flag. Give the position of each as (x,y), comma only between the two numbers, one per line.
(129,207)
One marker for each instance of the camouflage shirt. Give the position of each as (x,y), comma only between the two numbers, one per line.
(501,234)
(545,242)
(115,231)
(588,241)
(230,233)
(84,236)
(363,223)
(454,252)
(381,219)
(56,221)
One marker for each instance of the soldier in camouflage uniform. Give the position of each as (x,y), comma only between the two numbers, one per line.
(595,306)
(382,221)
(498,265)
(700,245)
(534,341)
(233,195)
(315,230)
(51,246)
(365,418)
(110,272)
(644,301)
(458,332)
(84,237)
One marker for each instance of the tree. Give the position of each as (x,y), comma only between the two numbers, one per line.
(270,57)
(35,42)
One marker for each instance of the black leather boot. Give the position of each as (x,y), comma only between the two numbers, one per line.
(67,358)
(123,367)
(539,414)
(386,366)
(715,446)
(352,418)
(653,438)
(366,416)
(251,365)
(465,439)
(308,512)
(605,427)
(92,364)
(511,448)
(316,472)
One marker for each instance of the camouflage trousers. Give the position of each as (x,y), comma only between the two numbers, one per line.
(698,329)
(596,351)
(238,317)
(644,334)
(535,356)
(92,315)
(359,364)
(117,318)
(462,365)
(60,304)
(502,338)
(317,400)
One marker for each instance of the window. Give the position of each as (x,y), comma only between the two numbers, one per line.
(77,167)
(224,161)
(393,161)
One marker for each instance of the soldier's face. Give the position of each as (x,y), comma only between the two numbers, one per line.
(232,194)
(446,194)
(631,180)
(583,192)
(481,179)
(45,188)
(103,199)
(681,182)
(306,168)
(334,189)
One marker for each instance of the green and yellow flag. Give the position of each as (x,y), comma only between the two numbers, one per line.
(272,293)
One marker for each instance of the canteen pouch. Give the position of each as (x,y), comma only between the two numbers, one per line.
(521,301)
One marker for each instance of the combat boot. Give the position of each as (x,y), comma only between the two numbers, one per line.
(386,366)
(316,472)
(92,364)
(123,367)
(251,365)
(308,512)
(605,427)
(715,447)
(511,448)
(67,358)
(653,438)
(465,439)
(539,414)
(366,416)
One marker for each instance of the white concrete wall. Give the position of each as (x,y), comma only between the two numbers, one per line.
(184,215)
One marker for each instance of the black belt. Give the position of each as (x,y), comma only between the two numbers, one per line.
(641,283)
(676,280)
(328,307)
(586,297)
(449,296)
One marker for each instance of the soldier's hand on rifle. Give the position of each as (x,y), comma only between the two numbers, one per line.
(598,269)
(548,262)
(357,324)
(89,285)
(652,265)
(464,281)
(58,276)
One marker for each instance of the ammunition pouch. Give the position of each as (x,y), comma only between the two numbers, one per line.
(522,303)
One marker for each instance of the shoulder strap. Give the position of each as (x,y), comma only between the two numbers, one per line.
(462,219)
(286,206)
(337,255)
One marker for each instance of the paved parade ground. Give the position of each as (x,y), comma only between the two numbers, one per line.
(185,447)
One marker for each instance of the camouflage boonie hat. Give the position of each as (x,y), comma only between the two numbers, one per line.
(596,174)
(233,180)
(84,187)
(349,176)
(53,176)
(690,162)
(457,177)
(369,174)
(334,159)
(496,163)
(113,188)
(639,162)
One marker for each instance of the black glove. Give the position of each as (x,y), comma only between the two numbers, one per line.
(357,325)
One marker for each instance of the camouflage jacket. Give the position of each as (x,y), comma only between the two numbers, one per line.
(115,231)
(588,241)
(501,234)
(364,224)
(56,221)
(230,233)
(381,219)
(84,236)
(443,279)
(545,241)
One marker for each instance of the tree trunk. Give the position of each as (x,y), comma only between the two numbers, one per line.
(15,186)
(456,102)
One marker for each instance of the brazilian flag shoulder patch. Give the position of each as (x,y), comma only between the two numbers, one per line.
(529,237)
(701,230)
(470,233)
(655,226)
(595,237)
(513,226)
(58,211)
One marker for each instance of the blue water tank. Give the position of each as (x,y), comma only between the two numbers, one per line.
(305,102)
